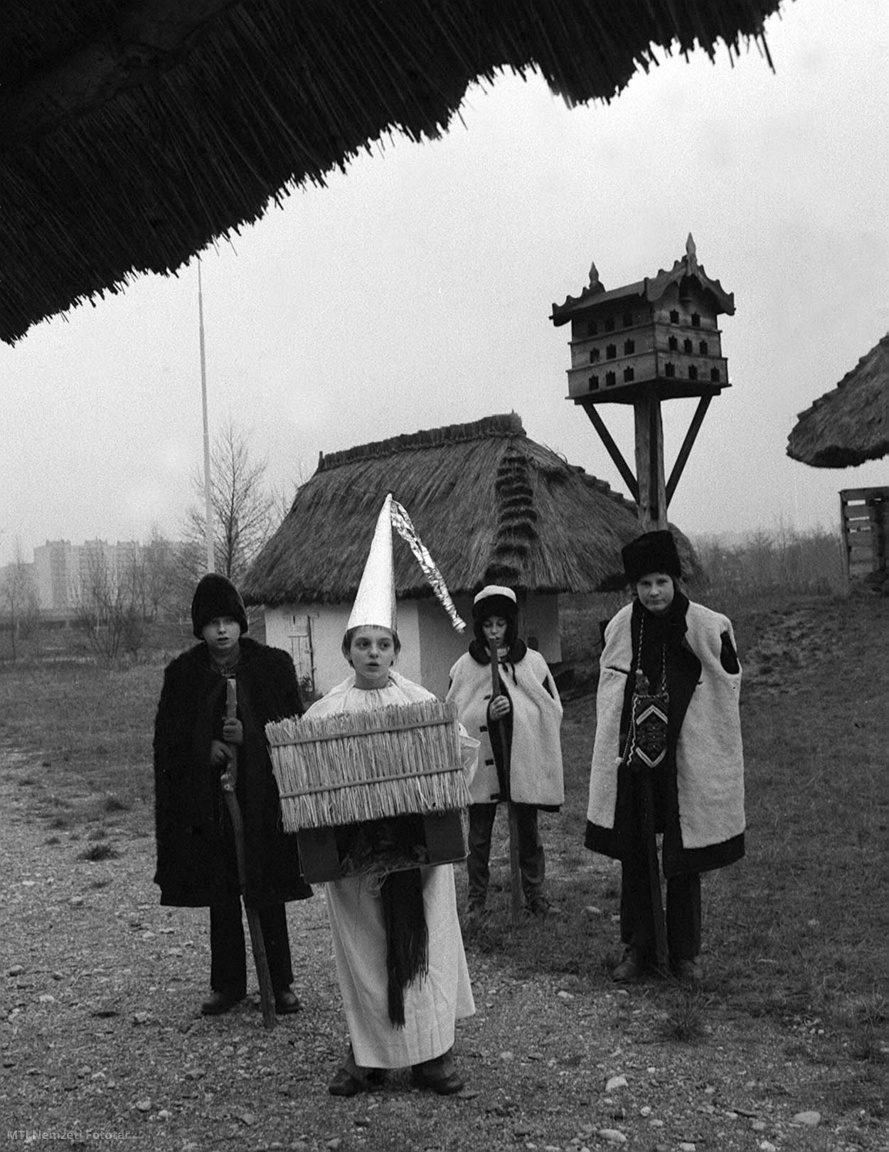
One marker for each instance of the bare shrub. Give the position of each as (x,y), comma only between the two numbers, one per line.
(109,606)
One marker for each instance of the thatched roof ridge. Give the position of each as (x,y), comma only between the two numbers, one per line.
(489,503)
(505,425)
(850,424)
(135,132)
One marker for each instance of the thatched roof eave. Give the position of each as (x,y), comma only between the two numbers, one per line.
(850,424)
(135,132)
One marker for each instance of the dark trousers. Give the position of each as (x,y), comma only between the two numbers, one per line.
(228,958)
(682,912)
(531,859)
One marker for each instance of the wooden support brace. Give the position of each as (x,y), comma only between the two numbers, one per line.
(687,444)
(613,451)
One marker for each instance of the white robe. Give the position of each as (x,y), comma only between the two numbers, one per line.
(535,756)
(432,1003)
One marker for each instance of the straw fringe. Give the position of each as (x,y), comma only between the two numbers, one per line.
(357,766)
(136,133)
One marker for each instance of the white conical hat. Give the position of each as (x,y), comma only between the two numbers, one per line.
(375,600)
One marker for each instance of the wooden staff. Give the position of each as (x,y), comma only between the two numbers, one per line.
(515,885)
(229,781)
(654,875)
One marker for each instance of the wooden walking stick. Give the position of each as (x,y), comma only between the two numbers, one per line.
(515,884)
(654,875)
(229,781)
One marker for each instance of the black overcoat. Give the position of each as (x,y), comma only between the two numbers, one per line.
(196,863)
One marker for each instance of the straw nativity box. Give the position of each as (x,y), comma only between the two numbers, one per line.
(372,792)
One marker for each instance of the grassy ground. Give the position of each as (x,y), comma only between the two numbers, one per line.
(796,931)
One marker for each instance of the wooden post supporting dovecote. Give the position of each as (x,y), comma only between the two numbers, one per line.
(641,344)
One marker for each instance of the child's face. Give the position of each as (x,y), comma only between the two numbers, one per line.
(494,631)
(656,591)
(221,635)
(371,654)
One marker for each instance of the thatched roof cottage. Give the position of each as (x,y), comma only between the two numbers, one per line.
(490,504)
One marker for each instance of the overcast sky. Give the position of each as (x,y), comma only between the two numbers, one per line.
(416,289)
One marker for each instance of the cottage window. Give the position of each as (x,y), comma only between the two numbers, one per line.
(629,347)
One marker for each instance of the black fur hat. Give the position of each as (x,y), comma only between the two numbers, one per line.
(651,552)
(216,596)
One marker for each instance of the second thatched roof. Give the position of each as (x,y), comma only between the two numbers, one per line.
(490,505)
(850,424)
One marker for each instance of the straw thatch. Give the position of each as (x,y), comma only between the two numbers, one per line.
(134,132)
(489,504)
(355,766)
(850,424)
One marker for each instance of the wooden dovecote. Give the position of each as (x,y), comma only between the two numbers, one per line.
(657,339)
(662,330)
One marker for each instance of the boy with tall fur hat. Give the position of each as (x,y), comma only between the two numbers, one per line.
(193,744)
(672,766)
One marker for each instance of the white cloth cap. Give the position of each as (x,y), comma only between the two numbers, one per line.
(495,590)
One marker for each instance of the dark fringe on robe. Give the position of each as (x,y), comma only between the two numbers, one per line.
(407,936)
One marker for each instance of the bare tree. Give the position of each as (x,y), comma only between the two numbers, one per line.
(243,507)
(166,583)
(19,599)
(108,606)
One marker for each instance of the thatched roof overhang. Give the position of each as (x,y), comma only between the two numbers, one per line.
(490,505)
(849,424)
(135,132)
(650,289)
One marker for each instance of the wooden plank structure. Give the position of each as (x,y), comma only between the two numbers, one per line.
(641,344)
(864,519)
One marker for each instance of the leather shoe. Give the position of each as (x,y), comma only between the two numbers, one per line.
(346,1084)
(286,1002)
(630,968)
(439,1074)
(689,971)
(541,907)
(219,1002)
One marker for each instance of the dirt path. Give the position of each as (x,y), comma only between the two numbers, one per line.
(102,1046)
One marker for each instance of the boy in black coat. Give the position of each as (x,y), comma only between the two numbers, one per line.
(196,862)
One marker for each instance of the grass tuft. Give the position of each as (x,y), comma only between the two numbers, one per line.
(685,1019)
(97,852)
